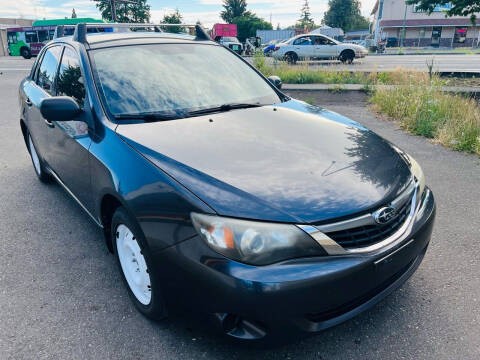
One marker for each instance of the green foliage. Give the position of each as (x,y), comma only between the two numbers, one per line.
(345,14)
(233,9)
(248,24)
(126,12)
(423,109)
(306,20)
(459,7)
(173,18)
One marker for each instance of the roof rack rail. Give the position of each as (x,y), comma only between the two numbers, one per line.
(80,34)
(59,31)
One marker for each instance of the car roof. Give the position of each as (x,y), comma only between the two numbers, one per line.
(104,39)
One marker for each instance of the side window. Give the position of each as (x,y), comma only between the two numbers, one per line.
(70,80)
(42,35)
(31,37)
(319,40)
(303,41)
(48,69)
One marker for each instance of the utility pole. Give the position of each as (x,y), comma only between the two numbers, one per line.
(404,26)
(379,18)
(113,6)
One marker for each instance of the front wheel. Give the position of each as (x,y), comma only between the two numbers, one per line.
(25,52)
(347,57)
(136,266)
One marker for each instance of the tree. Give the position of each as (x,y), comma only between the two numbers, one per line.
(306,20)
(138,12)
(173,18)
(458,7)
(233,9)
(74,14)
(345,14)
(248,24)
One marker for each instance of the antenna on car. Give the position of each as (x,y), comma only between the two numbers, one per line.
(80,33)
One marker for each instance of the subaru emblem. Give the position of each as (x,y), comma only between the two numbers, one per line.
(384,215)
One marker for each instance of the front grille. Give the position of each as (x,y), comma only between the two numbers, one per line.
(367,235)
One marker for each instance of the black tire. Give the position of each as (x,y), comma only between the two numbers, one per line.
(26,53)
(156,309)
(347,56)
(291,58)
(39,168)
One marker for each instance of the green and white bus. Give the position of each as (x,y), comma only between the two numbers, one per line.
(28,41)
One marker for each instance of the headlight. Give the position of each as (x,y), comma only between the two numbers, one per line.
(255,243)
(418,173)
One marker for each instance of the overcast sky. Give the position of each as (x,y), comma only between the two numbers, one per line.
(285,12)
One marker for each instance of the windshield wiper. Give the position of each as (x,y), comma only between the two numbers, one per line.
(223,108)
(150,117)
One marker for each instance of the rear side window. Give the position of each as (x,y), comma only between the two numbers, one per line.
(70,80)
(48,69)
(303,41)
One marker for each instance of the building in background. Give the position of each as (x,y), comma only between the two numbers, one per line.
(6,23)
(335,33)
(422,29)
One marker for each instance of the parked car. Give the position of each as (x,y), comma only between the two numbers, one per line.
(232,43)
(218,192)
(270,47)
(317,47)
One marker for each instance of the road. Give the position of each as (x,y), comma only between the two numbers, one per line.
(61,296)
(442,63)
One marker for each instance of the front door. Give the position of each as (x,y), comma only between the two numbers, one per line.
(70,140)
(436,36)
(41,86)
(325,48)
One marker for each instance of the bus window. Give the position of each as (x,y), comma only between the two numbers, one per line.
(42,35)
(12,38)
(31,37)
(51,33)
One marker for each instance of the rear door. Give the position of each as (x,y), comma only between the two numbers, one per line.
(70,140)
(40,86)
(303,46)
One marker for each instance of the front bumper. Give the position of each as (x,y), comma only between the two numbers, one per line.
(309,294)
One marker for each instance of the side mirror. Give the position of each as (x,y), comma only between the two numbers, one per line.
(276,81)
(59,108)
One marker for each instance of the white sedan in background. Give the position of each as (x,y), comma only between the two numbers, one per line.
(317,47)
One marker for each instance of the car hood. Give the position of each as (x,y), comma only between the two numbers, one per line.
(290,163)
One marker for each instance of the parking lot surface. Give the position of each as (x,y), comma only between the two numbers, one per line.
(61,295)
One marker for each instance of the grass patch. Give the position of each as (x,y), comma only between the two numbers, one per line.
(423,109)
(304,74)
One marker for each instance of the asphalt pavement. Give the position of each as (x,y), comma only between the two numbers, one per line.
(61,295)
(442,63)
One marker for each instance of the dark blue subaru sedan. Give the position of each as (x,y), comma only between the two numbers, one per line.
(217,191)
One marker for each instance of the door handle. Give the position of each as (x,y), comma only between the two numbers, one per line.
(49,124)
(28,102)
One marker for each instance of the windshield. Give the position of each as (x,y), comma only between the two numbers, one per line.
(176,79)
(230,39)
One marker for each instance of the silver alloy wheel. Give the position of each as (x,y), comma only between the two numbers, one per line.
(35,158)
(133,264)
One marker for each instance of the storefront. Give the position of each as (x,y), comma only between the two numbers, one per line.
(393,17)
